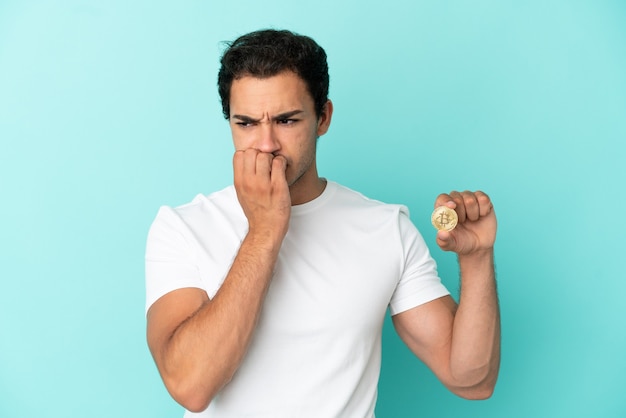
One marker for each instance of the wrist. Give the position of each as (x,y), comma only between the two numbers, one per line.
(476,260)
(265,237)
(477,255)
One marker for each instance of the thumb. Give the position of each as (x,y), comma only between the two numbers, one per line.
(446,240)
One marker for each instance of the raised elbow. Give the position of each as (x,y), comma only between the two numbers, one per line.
(477,384)
(193,403)
(191,397)
(480,393)
(194,389)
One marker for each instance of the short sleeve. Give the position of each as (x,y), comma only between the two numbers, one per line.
(419,282)
(170,256)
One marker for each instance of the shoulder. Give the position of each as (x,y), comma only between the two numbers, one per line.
(354,200)
(224,200)
(203,209)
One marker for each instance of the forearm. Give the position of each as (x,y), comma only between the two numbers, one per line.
(475,346)
(205,350)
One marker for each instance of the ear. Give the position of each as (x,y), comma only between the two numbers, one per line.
(323,122)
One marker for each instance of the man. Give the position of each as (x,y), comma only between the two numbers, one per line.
(267,299)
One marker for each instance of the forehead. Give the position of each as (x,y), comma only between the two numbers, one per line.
(283,92)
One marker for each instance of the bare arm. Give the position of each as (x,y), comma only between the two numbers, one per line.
(199,343)
(461,344)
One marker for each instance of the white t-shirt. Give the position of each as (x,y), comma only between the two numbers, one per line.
(316,351)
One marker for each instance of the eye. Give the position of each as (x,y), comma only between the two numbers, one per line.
(286,121)
(244,124)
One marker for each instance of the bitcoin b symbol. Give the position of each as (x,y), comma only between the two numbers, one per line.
(444,218)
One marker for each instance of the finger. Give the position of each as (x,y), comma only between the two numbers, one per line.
(446,240)
(263,165)
(470,202)
(249,161)
(484,202)
(237,158)
(457,198)
(238,163)
(244,161)
(444,199)
(279,167)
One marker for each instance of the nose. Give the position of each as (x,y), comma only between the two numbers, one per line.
(267,140)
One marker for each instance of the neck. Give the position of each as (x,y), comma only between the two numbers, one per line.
(300,195)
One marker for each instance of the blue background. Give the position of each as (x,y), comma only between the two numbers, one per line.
(108,109)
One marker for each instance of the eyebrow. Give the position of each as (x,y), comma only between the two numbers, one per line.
(281,116)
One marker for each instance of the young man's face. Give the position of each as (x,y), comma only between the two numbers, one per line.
(276,115)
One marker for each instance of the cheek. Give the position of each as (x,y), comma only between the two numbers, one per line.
(306,152)
(304,144)
(242,140)
(234,136)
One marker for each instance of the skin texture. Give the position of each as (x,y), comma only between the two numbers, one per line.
(198,343)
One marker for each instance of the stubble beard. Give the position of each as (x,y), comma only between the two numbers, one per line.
(302,170)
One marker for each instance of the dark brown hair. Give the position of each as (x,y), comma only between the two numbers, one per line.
(266,53)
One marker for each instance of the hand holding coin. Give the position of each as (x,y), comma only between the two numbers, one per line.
(465,221)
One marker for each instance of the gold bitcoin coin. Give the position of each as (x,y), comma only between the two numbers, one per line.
(444,218)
